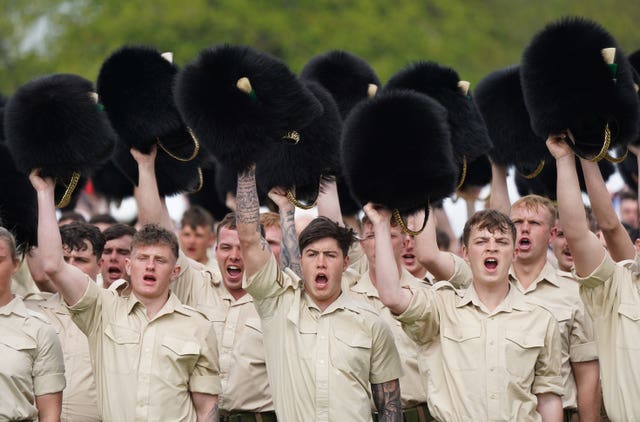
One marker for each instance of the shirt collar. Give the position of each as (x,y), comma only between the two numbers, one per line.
(15,306)
(365,285)
(513,301)
(548,274)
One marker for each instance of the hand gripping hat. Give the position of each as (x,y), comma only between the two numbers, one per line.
(347,77)
(18,202)
(575,77)
(135,85)
(300,165)
(54,124)
(469,135)
(240,101)
(500,101)
(396,152)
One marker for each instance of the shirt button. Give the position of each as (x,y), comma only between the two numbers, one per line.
(491,369)
(491,342)
(493,396)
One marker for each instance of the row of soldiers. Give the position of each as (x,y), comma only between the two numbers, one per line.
(332,329)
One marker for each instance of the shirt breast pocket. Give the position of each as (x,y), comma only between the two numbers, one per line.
(179,357)
(121,349)
(521,353)
(461,347)
(629,316)
(18,354)
(351,352)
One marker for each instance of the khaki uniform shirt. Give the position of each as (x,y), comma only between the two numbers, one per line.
(31,362)
(79,400)
(462,276)
(320,363)
(358,262)
(243,373)
(612,296)
(143,365)
(412,385)
(483,365)
(561,297)
(22,283)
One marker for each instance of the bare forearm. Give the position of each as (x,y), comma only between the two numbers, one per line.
(212,416)
(386,397)
(329,201)
(438,263)
(587,376)
(549,407)
(289,251)
(499,193)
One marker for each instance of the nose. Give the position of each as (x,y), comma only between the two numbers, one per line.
(235,254)
(321,261)
(150,264)
(492,245)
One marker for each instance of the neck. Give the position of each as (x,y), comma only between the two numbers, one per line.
(237,294)
(527,272)
(420,273)
(153,305)
(493,294)
(6,298)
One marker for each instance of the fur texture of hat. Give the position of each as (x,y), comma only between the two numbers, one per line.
(237,126)
(110,182)
(346,76)
(53,124)
(499,99)
(567,85)
(18,202)
(396,151)
(317,153)
(469,135)
(478,173)
(629,171)
(208,197)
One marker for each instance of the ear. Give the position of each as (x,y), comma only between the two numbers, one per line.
(345,264)
(127,266)
(465,254)
(175,273)
(554,233)
(16,266)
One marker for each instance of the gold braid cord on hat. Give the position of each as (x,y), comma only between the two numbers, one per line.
(66,198)
(293,137)
(403,226)
(463,176)
(618,159)
(534,173)
(292,199)
(605,146)
(196,148)
(200,181)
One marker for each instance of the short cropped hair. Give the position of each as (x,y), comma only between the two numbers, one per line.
(117,231)
(197,216)
(75,233)
(533,202)
(491,220)
(229,222)
(322,227)
(154,234)
(72,215)
(11,242)
(103,218)
(270,219)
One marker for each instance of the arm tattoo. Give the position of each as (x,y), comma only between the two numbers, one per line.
(290,251)
(212,416)
(247,204)
(386,397)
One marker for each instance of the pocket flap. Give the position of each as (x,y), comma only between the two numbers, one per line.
(122,335)
(353,339)
(181,347)
(630,311)
(254,323)
(18,342)
(461,333)
(524,340)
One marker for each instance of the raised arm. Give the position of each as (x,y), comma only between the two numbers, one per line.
(618,241)
(36,269)
(440,264)
(329,201)
(255,249)
(289,249)
(70,281)
(388,280)
(499,200)
(585,247)
(151,207)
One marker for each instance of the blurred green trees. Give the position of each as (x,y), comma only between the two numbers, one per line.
(473,36)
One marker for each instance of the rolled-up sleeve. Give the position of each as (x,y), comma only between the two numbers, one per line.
(548,378)
(205,377)
(421,318)
(598,290)
(48,366)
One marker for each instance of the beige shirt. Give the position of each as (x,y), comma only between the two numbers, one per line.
(358,262)
(239,334)
(612,296)
(22,283)
(320,363)
(412,384)
(483,365)
(140,365)
(561,297)
(31,362)
(79,400)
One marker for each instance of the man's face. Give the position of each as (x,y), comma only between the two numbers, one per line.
(533,233)
(273,236)
(322,265)
(116,251)
(561,249)
(7,268)
(195,242)
(151,269)
(489,255)
(629,212)
(83,259)
(229,256)
(368,244)
(409,260)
